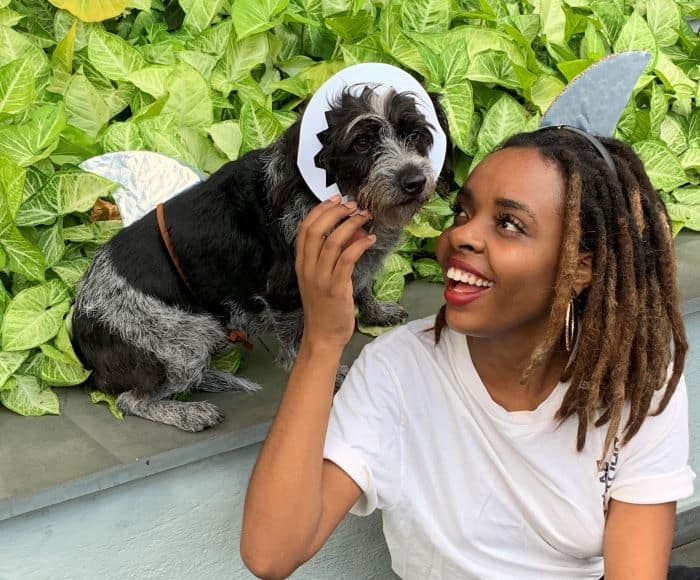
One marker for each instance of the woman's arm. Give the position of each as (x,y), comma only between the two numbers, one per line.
(637,540)
(295,499)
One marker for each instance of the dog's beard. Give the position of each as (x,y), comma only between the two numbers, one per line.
(381,192)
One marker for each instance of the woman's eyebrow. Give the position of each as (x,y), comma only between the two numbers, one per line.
(512,204)
(468,195)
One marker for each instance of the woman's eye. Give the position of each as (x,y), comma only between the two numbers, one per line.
(458,210)
(362,145)
(510,224)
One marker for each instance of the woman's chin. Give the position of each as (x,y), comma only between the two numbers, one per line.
(464,322)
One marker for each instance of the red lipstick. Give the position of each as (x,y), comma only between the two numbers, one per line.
(459,294)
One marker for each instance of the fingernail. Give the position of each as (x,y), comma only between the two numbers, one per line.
(372,238)
(350,205)
(335,198)
(364,212)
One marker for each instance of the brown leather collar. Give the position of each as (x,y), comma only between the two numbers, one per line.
(165,235)
(234,335)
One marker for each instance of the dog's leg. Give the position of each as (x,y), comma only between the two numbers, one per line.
(375,313)
(215,381)
(188,416)
(288,327)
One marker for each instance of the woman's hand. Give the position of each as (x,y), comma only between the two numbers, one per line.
(326,253)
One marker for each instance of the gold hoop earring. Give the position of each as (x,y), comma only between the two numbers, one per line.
(570,325)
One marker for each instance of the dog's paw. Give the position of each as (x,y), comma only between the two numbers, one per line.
(199,415)
(382,314)
(286,357)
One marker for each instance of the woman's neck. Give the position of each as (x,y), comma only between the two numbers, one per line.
(500,363)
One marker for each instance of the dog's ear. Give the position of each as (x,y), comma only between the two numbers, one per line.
(445,181)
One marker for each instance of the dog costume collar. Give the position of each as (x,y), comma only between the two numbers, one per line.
(592,103)
(381,78)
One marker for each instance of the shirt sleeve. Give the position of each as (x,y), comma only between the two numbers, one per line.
(654,464)
(364,432)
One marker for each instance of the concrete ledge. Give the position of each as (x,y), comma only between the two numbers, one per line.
(687,526)
(58,458)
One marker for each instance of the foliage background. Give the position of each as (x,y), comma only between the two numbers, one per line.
(208,80)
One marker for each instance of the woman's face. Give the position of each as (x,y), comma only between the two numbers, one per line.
(500,257)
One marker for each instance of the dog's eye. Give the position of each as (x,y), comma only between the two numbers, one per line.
(362,145)
(414,138)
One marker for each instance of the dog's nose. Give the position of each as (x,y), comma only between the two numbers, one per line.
(412,183)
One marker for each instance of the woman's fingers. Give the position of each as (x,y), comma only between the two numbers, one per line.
(348,258)
(308,221)
(342,237)
(319,230)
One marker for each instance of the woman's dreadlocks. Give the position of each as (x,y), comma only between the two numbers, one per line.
(630,320)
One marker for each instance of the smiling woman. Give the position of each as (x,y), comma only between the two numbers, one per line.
(538,427)
(612,248)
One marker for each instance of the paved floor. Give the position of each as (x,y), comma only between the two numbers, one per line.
(688,555)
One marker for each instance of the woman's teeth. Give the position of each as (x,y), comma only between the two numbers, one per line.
(467,278)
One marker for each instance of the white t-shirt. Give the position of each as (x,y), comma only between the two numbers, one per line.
(470,490)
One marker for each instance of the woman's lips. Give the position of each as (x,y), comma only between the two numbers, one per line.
(459,294)
(471,286)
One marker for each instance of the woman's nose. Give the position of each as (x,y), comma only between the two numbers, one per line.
(467,236)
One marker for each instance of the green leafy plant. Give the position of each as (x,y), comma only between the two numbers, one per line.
(208,80)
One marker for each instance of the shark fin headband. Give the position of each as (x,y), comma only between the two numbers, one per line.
(592,103)
(380,78)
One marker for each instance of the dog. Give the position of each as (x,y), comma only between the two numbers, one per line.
(148,334)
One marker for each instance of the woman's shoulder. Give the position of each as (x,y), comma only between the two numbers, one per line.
(665,418)
(400,349)
(653,465)
(415,333)
(661,420)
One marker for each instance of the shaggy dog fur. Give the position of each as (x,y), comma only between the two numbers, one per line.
(146,336)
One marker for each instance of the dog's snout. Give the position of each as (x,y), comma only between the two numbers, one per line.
(412,182)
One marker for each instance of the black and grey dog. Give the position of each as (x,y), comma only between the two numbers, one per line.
(148,335)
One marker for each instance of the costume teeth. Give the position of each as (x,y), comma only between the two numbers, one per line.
(318,161)
(330,176)
(323,137)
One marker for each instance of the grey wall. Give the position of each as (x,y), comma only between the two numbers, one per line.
(180,524)
(692,377)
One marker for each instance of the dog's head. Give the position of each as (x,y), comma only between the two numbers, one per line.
(376,149)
